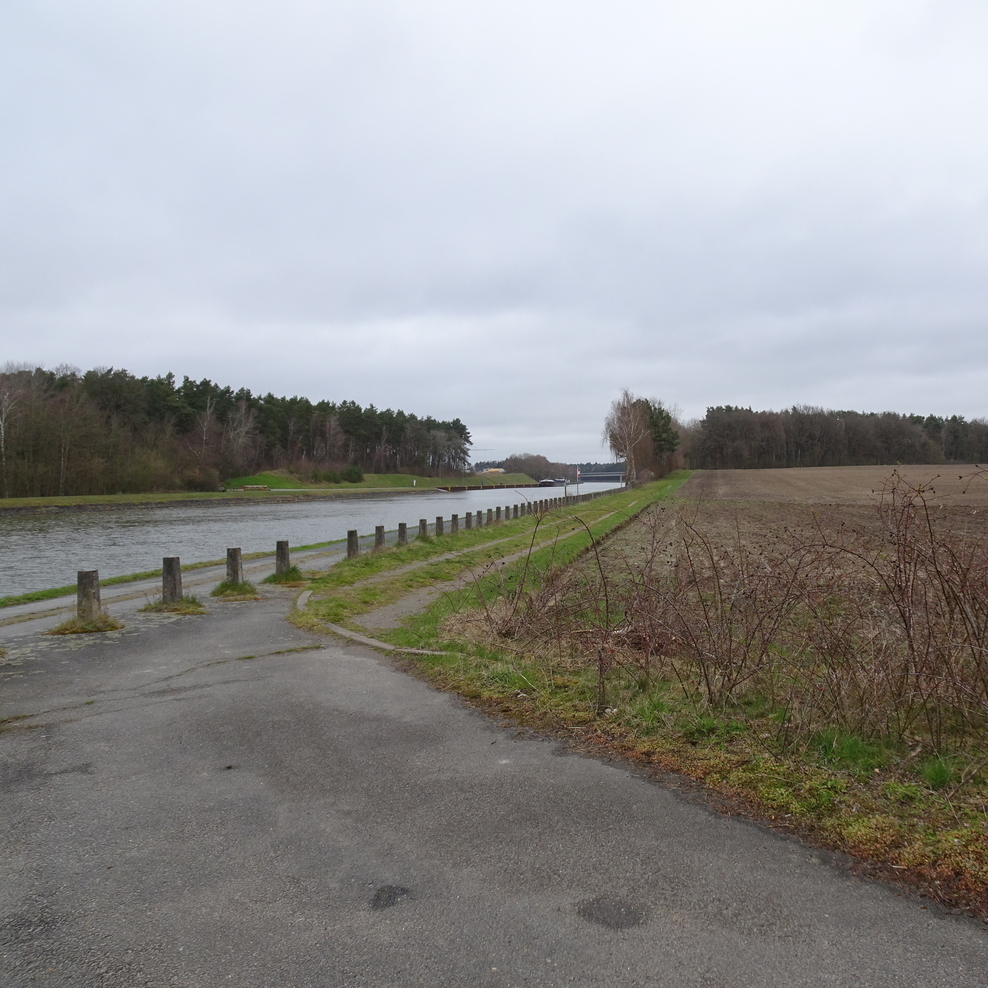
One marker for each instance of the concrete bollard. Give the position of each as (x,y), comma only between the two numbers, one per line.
(234,566)
(171,580)
(480,520)
(497,513)
(454,524)
(507,512)
(352,545)
(402,533)
(439,525)
(282,560)
(87,594)
(423,528)
(468,521)
(378,537)
(514,511)
(490,516)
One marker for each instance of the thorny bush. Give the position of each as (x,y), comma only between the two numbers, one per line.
(880,632)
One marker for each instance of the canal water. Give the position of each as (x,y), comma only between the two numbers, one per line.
(42,551)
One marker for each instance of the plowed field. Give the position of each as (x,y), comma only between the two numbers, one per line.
(956,485)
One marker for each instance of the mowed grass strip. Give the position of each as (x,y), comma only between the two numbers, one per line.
(344,592)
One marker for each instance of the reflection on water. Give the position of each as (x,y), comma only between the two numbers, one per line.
(41,551)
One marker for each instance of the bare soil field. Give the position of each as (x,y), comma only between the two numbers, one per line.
(957,485)
(766,510)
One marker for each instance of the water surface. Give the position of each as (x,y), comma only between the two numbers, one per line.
(41,551)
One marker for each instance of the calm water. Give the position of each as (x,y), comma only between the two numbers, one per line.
(41,551)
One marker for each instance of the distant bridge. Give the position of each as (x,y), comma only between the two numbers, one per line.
(614,477)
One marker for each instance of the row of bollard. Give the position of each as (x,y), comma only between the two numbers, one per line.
(87,588)
(88,603)
(470,520)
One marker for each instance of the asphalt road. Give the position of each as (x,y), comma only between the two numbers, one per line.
(227,800)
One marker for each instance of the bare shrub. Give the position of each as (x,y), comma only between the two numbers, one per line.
(881,632)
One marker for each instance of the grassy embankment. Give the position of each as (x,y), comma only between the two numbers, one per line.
(575,642)
(283,480)
(276,481)
(343,593)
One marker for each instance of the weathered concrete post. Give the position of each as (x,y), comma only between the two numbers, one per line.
(87,594)
(490,516)
(378,537)
(402,533)
(423,528)
(439,524)
(514,511)
(497,513)
(234,566)
(507,512)
(468,521)
(171,580)
(454,524)
(480,520)
(352,545)
(282,560)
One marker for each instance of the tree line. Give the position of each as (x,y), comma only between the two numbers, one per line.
(802,436)
(102,431)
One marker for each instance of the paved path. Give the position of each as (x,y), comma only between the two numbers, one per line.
(227,800)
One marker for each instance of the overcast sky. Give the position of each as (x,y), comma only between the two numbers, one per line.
(505,212)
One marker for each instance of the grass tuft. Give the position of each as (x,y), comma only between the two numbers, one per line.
(292,576)
(186,605)
(236,591)
(102,622)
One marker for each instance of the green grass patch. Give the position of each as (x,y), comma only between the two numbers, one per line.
(276,480)
(851,753)
(37,595)
(337,480)
(938,772)
(292,575)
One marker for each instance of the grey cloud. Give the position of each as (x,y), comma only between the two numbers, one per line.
(506,214)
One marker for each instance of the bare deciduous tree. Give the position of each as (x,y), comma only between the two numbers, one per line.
(626,425)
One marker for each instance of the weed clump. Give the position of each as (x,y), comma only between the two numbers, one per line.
(188,604)
(75,626)
(292,576)
(236,591)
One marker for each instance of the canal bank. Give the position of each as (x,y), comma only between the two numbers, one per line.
(44,551)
